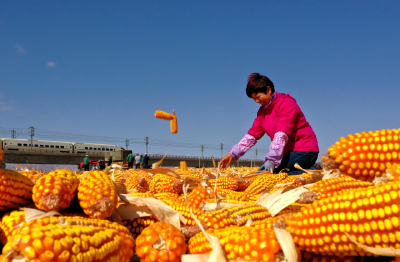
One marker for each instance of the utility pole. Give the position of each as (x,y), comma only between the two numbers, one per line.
(251,161)
(13,133)
(222,147)
(202,149)
(256,153)
(146,141)
(127,143)
(32,128)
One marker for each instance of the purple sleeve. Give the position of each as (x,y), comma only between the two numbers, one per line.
(238,150)
(275,153)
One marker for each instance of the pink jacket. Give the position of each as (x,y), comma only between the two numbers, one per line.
(285,115)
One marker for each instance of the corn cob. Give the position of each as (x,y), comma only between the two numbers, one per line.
(369,215)
(138,181)
(54,191)
(246,202)
(163,115)
(224,182)
(174,123)
(366,155)
(193,175)
(337,186)
(10,222)
(263,183)
(184,211)
(199,244)
(137,225)
(245,243)
(55,242)
(289,180)
(97,195)
(147,194)
(394,172)
(254,212)
(242,183)
(15,190)
(311,257)
(161,242)
(197,196)
(217,219)
(269,221)
(167,196)
(183,166)
(163,184)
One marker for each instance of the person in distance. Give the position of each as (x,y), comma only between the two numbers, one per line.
(293,139)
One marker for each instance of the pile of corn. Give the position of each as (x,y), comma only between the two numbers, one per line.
(323,223)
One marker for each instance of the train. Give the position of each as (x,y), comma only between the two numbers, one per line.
(44,146)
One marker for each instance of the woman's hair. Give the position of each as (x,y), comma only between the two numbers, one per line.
(258,83)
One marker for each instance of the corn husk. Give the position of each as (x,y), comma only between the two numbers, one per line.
(287,244)
(331,174)
(217,254)
(132,211)
(159,162)
(387,252)
(32,213)
(161,211)
(275,205)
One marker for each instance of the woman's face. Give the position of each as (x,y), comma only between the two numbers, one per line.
(261,98)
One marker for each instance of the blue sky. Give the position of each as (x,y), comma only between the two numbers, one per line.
(102,68)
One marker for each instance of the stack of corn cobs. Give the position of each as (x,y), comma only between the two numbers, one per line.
(349,210)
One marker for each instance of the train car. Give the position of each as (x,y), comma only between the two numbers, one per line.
(94,149)
(24,145)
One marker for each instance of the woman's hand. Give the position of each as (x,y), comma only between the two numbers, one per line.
(225,162)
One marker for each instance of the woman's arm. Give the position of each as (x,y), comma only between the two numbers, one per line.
(238,150)
(275,153)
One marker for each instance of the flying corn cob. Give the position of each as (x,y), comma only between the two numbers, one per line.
(172,117)
(224,182)
(161,242)
(369,215)
(337,186)
(245,243)
(366,155)
(163,115)
(97,195)
(54,191)
(67,242)
(15,190)
(174,123)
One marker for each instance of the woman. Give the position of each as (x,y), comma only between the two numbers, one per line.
(293,139)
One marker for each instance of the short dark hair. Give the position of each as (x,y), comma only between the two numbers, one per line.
(258,83)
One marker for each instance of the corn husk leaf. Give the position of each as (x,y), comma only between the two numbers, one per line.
(132,211)
(195,258)
(287,244)
(33,213)
(281,201)
(218,205)
(331,174)
(159,162)
(387,252)
(217,254)
(307,170)
(161,170)
(265,198)
(162,211)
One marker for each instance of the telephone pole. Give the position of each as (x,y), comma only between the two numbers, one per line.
(32,128)
(222,147)
(202,149)
(146,141)
(256,153)
(127,143)
(13,133)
